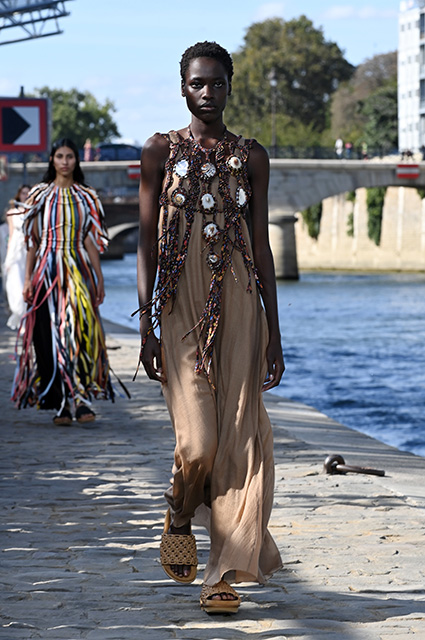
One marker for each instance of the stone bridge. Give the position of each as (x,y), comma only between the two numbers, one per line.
(294,185)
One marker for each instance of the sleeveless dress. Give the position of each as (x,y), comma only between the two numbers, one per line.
(14,267)
(61,343)
(214,337)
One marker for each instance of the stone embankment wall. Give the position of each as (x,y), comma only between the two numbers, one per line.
(402,245)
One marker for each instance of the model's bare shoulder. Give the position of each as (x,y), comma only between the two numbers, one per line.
(259,152)
(156,148)
(258,160)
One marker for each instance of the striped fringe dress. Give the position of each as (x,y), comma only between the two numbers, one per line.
(60,348)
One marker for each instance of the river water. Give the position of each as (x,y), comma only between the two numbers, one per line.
(354,346)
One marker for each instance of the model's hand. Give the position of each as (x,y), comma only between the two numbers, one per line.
(100,292)
(275,364)
(28,291)
(152,360)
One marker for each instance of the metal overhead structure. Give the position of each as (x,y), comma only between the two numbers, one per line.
(30,19)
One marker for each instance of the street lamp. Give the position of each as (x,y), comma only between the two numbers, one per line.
(273,84)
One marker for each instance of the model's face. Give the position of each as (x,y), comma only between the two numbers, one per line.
(23,195)
(64,162)
(206,88)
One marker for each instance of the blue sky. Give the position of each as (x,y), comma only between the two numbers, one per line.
(129,50)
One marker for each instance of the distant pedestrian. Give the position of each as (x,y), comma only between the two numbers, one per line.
(65,230)
(348,150)
(14,265)
(205,190)
(339,148)
(88,150)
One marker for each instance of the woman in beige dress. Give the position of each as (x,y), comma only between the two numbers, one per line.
(204,235)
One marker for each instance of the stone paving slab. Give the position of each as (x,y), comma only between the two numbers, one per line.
(82,514)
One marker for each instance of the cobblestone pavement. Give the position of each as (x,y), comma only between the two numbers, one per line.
(82,514)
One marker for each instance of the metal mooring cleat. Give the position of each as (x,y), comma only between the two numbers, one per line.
(336,464)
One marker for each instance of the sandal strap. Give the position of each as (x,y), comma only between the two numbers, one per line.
(208,591)
(178,549)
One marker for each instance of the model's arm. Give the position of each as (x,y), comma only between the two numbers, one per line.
(154,154)
(258,169)
(94,258)
(28,291)
(10,223)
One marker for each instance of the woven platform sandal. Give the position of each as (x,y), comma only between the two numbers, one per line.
(178,549)
(211,605)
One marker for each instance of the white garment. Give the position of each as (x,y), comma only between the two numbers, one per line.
(14,271)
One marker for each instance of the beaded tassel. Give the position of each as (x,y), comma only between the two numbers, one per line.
(186,160)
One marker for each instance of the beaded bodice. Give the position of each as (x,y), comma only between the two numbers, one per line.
(205,194)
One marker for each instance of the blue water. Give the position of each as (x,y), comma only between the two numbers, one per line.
(354,346)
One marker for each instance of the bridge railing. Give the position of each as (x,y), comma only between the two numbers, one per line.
(328,153)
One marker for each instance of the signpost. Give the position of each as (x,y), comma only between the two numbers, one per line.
(24,126)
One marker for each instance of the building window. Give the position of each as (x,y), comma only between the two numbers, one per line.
(422,90)
(422,24)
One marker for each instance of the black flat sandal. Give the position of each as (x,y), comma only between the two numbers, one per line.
(64,418)
(84,414)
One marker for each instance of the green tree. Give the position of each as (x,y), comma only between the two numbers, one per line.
(312,217)
(380,111)
(78,115)
(348,117)
(375,205)
(307,70)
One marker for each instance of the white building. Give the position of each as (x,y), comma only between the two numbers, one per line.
(411,75)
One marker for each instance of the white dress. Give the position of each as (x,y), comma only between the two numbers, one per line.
(15,270)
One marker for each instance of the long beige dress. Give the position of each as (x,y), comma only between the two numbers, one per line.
(214,338)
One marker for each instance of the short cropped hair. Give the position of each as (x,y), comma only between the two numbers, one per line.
(206,50)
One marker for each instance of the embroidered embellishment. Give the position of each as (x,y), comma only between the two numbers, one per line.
(207,201)
(211,232)
(182,168)
(208,170)
(241,197)
(213,260)
(234,163)
(178,197)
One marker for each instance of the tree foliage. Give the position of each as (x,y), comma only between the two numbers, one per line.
(375,206)
(307,69)
(380,111)
(354,108)
(78,115)
(312,217)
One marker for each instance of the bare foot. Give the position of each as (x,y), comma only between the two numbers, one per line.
(223,596)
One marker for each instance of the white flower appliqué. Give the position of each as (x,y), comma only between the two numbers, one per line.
(207,201)
(178,198)
(234,163)
(182,168)
(241,197)
(208,170)
(210,231)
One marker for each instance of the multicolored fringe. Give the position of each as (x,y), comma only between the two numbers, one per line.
(58,220)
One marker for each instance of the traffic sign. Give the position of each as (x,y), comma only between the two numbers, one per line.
(408,170)
(133,171)
(23,124)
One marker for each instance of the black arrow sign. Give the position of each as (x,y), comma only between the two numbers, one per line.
(13,125)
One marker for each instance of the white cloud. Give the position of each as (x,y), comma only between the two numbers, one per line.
(269,10)
(349,12)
